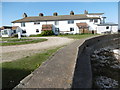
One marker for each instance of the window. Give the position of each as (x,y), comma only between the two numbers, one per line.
(22,24)
(56,22)
(36,23)
(91,20)
(70,21)
(95,20)
(14,31)
(23,31)
(4,32)
(37,30)
(107,27)
(56,29)
(71,29)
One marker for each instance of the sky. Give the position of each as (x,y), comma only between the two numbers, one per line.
(119,15)
(14,10)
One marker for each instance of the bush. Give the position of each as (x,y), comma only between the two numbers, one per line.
(47,33)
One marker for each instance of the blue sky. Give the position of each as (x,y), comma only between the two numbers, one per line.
(14,10)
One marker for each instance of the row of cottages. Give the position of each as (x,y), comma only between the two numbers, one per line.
(71,24)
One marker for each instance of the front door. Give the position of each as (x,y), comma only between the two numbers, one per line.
(57,31)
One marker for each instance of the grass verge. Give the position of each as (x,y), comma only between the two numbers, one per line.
(21,41)
(13,72)
(78,36)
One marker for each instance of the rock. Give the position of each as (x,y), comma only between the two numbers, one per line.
(105,82)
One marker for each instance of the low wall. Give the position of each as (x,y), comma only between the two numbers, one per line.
(69,67)
(82,74)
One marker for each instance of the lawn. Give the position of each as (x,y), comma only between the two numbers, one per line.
(78,36)
(13,72)
(73,36)
(15,41)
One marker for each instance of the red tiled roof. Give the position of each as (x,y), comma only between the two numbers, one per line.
(46,27)
(14,27)
(82,25)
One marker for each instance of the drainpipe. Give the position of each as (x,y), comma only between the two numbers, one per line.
(111,28)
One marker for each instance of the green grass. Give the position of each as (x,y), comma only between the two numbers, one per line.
(78,36)
(39,35)
(73,36)
(20,41)
(13,72)
(15,39)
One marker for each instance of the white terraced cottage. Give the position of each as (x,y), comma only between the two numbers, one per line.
(71,24)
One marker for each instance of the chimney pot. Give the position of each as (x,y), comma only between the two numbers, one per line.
(55,14)
(71,13)
(85,12)
(41,14)
(24,15)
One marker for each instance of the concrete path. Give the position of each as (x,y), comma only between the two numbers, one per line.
(10,53)
(57,72)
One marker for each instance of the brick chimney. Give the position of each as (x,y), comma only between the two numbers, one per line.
(41,14)
(24,15)
(85,12)
(71,13)
(55,14)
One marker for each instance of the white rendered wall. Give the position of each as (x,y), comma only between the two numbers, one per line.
(30,27)
(101,29)
(94,15)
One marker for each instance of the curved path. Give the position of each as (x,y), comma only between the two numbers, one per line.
(14,52)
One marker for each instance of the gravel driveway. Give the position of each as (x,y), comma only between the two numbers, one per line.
(10,53)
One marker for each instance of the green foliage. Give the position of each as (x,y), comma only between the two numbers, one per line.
(38,35)
(47,33)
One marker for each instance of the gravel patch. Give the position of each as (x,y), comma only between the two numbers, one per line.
(10,53)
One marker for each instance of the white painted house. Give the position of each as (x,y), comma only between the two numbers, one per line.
(7,31)
(80,23)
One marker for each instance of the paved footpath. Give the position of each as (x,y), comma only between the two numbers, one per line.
(57,72)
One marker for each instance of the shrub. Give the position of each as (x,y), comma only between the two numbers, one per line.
(47,33)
